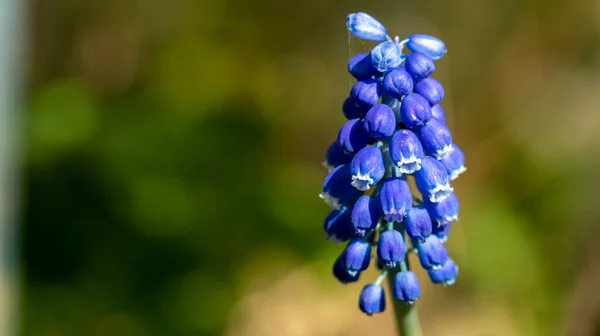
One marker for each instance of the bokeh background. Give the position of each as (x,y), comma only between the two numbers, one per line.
(172,161)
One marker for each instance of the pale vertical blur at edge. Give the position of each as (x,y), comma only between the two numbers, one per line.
(11,43)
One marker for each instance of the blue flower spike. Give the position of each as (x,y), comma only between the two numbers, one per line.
(406,151)
(380,122)
(386,56)
(436,139)
(395,199)
(406,287)
(390,248)
(395,129)
(418,224)
(365,215)
(428,45)
(433,181)
(372,299)
(367,168)
(365,27)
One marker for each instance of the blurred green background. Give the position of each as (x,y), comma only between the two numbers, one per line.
(173,156)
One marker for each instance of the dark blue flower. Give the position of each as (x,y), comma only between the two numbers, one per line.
(436,138)
(437,112)
(390,248)
(445,275)
(386,56)
(366,93)
(360,66)
(380,122)
(432,253)
(418,224)
(341,273)
(419,66)
(365,27)
(395,199)
(352,110)
(444,211)
(365,215)
(442,231)
(406,151)
(352,136)
(454,162)
(415,111)
(337,188)
(432,180)
(430,89)
(397,83)
(367,168)
(428,45)
(336,156)
(357,256)
(372,299)
(406,287)
(337,226)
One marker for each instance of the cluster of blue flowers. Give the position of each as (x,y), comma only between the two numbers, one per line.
(396,128)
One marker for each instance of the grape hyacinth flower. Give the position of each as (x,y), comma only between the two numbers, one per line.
(396,134)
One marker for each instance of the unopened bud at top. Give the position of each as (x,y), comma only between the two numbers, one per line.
(366,27)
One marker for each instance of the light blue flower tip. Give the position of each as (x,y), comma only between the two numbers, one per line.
(428,45)
(365,27)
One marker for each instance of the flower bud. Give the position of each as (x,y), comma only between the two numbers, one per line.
(428,45)
(366,93)
(419,66)
(360,66)
(337,226)
(406,151)
(444,211)
(406,287)
(372,299)
(432,180)
(436,139)
(337,188)
(437,112)
(432,253)
(395,199)
(341,273)
(454,162)
(418,224)
(445,275)
(390,248)
(397,83)
(336,156)
(357,256)
(352,136)
(415,111)
(352,110)
(442,231)
(386,56)
(380,122)
(365,215)
(367,168)
(365,27)
(430,89)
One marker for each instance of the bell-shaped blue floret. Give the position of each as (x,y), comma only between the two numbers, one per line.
(418,224)
(428,45)
(397,83)
(336,156)
(390,248)
(406,287)
(442,231)
(366,93)
(432,180)
(365,215)
(357,256)
(406,151)
(436,139)
(454,162)
(337,188)
(432,253)
(380,122)
(437,112)
(395,199)
(430,89)
(444,211)
(352,136)
(372,299)
(415,111)
(445,275)
(337,226)
(365,27)
(419,66)
(360,66)
(367,168)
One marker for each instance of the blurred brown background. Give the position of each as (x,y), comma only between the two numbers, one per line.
(173,154)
